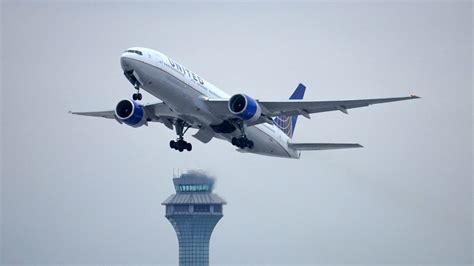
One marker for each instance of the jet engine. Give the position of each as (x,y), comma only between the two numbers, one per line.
(245,107)
(130,113)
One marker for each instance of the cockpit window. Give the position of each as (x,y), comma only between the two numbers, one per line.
(134,51)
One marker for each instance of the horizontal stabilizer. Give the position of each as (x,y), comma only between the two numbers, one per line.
(323,146)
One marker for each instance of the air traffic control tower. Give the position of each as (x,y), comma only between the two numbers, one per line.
(194,212)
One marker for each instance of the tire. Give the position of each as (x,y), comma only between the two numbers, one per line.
(173,144)
(250,144)
(139,96)
(134,97)
(189,147)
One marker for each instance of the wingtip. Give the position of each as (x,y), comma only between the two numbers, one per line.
(413,96)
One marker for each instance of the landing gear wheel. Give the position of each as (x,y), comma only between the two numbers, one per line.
(180,144)
(242,142)
(173,144)
(137,96)
(250,144)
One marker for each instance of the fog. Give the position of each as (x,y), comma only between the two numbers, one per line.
(87,190)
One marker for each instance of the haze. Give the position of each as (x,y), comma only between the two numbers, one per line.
(84,190)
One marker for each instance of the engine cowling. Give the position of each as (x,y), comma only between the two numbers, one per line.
(245,107)
(130,113)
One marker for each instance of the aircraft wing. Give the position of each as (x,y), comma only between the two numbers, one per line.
(105,114)
(302,107)
(157,112)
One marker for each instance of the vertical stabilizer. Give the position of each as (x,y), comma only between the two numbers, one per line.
(287,124)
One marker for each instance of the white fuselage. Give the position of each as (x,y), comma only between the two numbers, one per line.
(185,92)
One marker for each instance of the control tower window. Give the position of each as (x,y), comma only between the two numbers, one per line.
(181,208)
(202,208)
(217,208)
(193,188)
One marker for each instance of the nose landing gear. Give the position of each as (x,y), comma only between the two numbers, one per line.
(136,84)
(137,96)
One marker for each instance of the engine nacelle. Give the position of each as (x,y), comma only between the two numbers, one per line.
(245,107)
(130,113)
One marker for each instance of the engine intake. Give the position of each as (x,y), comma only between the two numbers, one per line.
(130,113)
(245,107)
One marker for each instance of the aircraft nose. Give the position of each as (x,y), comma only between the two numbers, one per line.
(126,62)
(130,57)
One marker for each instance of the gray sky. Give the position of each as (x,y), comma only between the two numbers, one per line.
(85,190)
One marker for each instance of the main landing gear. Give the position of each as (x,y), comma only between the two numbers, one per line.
(180,144)
(242,141)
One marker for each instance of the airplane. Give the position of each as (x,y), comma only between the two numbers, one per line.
(264,127)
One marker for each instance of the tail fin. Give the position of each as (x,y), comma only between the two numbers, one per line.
(287,124)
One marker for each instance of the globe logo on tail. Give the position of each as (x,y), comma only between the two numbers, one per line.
(284,123)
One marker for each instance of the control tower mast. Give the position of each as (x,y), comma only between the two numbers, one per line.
(194,212)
